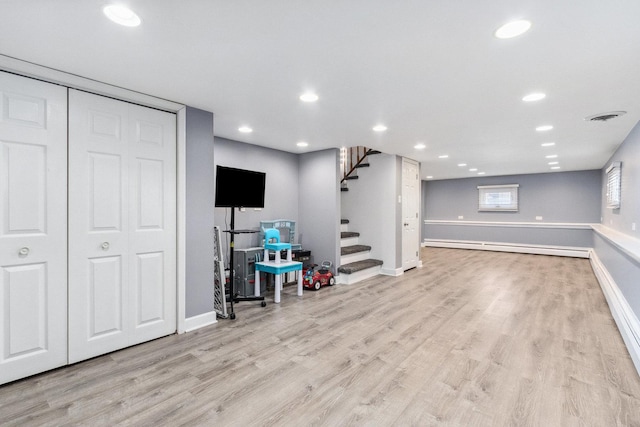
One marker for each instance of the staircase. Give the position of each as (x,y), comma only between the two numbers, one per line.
(353,159)
(355,264)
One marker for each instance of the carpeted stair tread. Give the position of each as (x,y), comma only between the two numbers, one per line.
(354,249)
(353,267)
(348,234)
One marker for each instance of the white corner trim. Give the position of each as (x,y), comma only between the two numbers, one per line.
(392,271)
(200,321)
(627,322)
(181,233)
(568,251)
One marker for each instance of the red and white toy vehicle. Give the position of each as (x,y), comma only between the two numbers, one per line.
(315,278)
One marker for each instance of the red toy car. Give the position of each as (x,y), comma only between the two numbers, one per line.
(316,278)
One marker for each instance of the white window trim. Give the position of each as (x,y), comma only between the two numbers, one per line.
(614,185)
(485,190)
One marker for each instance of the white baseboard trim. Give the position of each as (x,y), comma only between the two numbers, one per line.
(567,251)
(627,322)
(395,272)
(200,321)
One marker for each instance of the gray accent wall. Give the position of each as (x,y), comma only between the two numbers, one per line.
(199,212)
(281,188)
(319,205)
(624,269)
(572,197)
(565,197)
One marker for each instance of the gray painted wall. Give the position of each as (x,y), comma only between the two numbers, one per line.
(319,205)
(557,197)
(199,212)
(569,197)
(624,270)
(621,219)
(281,188)
(371,207)
(581,238)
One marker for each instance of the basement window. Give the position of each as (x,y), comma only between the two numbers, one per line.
(498,198)
(613,185)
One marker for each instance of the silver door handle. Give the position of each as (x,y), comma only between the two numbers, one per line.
(23,251)
(105,246)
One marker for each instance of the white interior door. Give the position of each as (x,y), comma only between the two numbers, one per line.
(33,226)
(410,214)
(122,224)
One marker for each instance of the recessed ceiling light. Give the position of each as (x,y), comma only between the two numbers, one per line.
(513,29)
(121,15)
(462,165)
(552,156)
(420,146)
(547,144)
(544,128)
(481,173)
(534,97)
(552,163)
(245,129)
(379,128)
(443,156)
(473,169)
(302,144)
(555,167)
(308,97)
(430,177)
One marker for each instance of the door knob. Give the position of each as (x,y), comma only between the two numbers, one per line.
(23,251)
(105,246)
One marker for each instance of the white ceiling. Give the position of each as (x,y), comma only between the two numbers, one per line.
(431,71)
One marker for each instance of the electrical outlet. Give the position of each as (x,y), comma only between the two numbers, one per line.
(538,218)
(460,216)
(633,226)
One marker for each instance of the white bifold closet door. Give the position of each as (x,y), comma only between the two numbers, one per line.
(122,224)
(33,226)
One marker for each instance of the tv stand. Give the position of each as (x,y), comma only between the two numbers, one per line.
(233,298)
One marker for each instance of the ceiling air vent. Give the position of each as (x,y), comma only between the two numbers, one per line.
(603,117)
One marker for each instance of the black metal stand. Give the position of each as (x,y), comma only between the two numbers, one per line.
(232,291)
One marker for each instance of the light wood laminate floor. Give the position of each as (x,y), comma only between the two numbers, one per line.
(471,339)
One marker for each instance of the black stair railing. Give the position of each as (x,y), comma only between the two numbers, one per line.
(353,158)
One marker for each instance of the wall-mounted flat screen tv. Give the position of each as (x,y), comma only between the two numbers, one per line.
(237,188)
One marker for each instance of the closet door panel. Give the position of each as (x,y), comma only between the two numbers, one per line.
(153,221)
(122,224)
(33,227)
(98,223)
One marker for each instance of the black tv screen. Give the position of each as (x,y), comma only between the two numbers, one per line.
(239,188)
